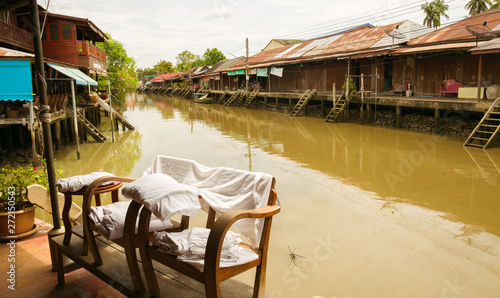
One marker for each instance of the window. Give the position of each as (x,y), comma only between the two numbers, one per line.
(66,32)
(54,31)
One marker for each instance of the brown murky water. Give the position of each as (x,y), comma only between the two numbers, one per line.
(372,212)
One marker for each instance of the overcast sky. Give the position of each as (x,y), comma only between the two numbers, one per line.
(152,30)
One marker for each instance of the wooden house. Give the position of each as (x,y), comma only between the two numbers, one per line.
(73,40)
(433,58)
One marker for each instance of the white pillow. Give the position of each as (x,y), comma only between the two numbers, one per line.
(163,195)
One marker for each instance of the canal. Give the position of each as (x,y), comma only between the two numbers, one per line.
(368,211)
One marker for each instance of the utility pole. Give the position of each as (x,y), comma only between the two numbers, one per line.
(246,71)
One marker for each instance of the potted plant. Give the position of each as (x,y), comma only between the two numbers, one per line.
(17,214)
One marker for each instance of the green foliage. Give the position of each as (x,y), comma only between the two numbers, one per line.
(433,12)
(13,183)
(212,56)
(163,67)
(352,86)
(496,4)
(477,6)
(121,70)
(186,60)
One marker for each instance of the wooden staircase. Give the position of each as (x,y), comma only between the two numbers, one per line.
(116,115)
(338,107)
(487,129)
(222,97)
(233,97)
(304,99)
(250,99)
(91,129)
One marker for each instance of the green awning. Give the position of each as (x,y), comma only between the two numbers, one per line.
(77,75)
(236,72)
(16,80)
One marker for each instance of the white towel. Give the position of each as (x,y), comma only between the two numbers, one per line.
(189,246)
(76,183)
(110,219)
(163,196)
(221,188)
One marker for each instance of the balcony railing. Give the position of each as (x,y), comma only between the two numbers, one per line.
(85,48)
(16,36)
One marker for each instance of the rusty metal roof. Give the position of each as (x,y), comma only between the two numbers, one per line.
(9,53)
(461,46)
(457,31)
(353,42)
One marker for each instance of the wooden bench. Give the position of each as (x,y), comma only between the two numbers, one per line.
(451,87)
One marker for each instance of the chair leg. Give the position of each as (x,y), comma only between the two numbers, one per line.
(59,265)
(260,282)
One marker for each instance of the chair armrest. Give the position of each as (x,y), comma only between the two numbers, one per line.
(89,192)
(224,223)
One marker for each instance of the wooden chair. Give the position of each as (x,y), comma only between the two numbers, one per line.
(212,274)
(128,241)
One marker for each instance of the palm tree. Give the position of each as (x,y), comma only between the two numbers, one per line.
(477,6)
(433,12)
(496,4)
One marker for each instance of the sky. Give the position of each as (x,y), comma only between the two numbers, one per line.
(154,30)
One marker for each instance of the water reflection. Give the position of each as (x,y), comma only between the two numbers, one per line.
(427,170)
(376,212)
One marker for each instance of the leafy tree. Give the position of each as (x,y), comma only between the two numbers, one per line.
(185,58)
(163,67)
(477,6)
(496,4)
(212,56)
(121,69)
(433,12)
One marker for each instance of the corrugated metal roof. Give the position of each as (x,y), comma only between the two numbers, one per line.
(165,77)
(435,48)
(9,53)
(457,31)
(491,46)
(352,42)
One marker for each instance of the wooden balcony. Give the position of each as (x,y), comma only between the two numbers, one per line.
(91,57)
(15,36)
(85,48)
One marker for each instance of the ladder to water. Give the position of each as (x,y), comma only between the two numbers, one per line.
(338,107)
(91,129)
(223,96)
(304,99)
(250,99)
(233,97)
(487,129)
(116,115)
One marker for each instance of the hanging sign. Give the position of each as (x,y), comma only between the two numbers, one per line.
(262,72)
(217,77)
(252,71)
(277,71)
(236,72)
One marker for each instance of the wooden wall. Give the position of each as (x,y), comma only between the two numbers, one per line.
(62,50)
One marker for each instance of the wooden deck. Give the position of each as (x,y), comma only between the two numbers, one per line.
(35,278)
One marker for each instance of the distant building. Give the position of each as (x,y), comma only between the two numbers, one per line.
(278,43)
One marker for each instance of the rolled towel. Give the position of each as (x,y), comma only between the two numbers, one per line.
(192,241)
(78,182)
(109,220)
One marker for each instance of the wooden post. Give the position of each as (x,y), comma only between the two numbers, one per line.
(33,138)
(57,134)
(479,78)
(111,113)
(362,98)
(436,118)
(398,116)
(42,85)
(75,120)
